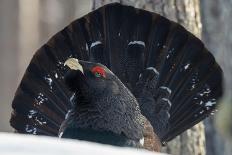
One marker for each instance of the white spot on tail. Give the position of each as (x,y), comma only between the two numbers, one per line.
(153,69)
(167,89)
(137,43)
(95,44)
(40,99)
(31,113)
(167,100)
(30,129)
(48,79)
(210,103)
(186,66)
(56,76)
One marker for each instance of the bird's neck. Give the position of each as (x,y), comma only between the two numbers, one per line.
(104,137)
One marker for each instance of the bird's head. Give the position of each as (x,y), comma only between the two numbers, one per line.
(102,101)
(91,80)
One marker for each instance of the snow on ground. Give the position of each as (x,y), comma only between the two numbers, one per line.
(18,144)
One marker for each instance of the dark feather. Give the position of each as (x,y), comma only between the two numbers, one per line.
(180,91)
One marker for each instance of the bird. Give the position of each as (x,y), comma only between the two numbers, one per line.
(121,76)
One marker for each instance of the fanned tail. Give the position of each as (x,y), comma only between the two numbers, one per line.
(181,87)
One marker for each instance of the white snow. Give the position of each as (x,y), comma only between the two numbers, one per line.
(137,42)
(95,44)
(18,144)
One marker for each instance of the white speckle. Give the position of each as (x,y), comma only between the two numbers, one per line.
(158,44)
(201,102)
(153,69)
(186,66)
(137,42)
(40,99)
(210,103)
(166,88)
(40,120)
(31,113)
(48,80)
(168,56)
(66,116)
(56,75)
(141,141)
(202,111)
(30,129)
(119,34)
(95,44)
(205,92)
(193,86)
(60,135)
(164,46)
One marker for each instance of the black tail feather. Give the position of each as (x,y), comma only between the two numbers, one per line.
(126,40)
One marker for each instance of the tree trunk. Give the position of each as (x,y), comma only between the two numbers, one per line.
(187,13)
(217,23)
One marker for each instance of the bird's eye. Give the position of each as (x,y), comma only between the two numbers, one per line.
(97,74)
(98,71)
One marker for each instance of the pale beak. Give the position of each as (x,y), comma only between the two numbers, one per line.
(74,64)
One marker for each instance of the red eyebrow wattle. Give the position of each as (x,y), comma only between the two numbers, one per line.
(99,70)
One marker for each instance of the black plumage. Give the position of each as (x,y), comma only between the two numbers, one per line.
(165,73)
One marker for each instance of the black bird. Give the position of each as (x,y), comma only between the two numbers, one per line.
(120,76)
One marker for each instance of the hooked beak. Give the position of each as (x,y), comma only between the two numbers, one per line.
(74,64)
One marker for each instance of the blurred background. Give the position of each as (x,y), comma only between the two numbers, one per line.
(25,25)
